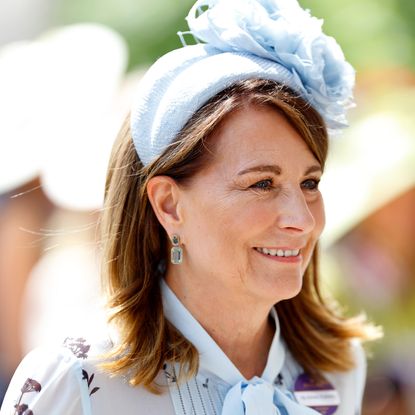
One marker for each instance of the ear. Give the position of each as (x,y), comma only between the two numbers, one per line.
(163,193)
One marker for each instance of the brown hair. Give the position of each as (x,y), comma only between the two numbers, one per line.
(135,246)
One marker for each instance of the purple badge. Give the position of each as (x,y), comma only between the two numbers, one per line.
(317,393)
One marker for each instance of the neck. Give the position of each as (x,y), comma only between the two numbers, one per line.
(240,326)
(245,343)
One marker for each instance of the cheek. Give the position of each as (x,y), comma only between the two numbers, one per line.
(209,218)
(222,221)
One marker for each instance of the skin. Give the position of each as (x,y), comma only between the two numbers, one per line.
(260,189)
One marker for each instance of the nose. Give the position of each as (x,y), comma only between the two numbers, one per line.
(294,213)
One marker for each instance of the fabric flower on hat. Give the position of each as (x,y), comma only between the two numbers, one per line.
(280,30)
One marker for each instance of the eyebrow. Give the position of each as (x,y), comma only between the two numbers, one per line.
(276,169)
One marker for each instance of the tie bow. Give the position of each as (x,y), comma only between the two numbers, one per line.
(259,397)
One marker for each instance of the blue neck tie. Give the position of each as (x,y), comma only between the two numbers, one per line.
(258,397)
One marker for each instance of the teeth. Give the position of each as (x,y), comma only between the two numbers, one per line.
(279,252)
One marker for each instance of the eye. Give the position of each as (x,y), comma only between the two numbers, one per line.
(263,185)
(310,184)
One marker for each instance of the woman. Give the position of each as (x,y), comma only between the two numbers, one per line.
(211,225)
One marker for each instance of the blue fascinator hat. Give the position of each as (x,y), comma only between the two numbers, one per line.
(238,40)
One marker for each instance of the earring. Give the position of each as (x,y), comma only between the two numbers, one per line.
(176,256)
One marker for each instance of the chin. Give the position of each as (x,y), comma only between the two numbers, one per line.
(279,289)
(290,294)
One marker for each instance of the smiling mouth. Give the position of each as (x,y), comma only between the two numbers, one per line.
(279,252)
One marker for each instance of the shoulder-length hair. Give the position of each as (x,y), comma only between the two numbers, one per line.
(135,244)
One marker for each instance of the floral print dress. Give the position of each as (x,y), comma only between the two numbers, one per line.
(68,380)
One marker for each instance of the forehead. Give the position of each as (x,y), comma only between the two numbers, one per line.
(258,134)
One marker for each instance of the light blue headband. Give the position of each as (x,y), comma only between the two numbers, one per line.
(264,39)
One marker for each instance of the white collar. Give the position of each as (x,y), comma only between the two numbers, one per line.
(212,358)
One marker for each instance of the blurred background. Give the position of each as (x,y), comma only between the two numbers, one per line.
(67,72)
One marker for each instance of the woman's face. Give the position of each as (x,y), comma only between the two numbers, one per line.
(252,216)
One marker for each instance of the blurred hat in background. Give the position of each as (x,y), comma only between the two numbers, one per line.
(60,111)
(372,163)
